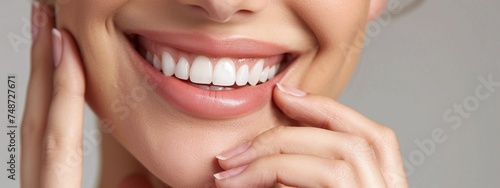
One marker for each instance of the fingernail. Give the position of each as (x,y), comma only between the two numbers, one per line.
(230,173)
(231,153)
(35,12)
(56,46)
(291,90)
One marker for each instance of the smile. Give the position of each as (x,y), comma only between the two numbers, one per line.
(210,78)
(208,73)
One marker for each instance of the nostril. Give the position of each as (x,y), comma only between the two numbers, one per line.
(245,12)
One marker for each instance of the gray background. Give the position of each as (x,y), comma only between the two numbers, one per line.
(416,66)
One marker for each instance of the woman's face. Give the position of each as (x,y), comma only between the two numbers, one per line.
(176,127)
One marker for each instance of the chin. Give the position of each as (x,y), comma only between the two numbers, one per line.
(175,97)
(174,108)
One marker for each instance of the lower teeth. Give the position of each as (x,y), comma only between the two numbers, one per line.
(212,88)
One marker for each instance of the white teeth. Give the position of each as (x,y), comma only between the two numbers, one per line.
(264,75)
(216,88)
(242,76)
(157,63)
(224,73)
(254,76)
(201,71)
(213,88)
(272,72)
(182,69)
(204,87)
(167,64)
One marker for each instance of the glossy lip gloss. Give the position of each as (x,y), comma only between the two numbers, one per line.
(208,103)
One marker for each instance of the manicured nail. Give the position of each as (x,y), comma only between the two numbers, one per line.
(230,173)
(35,12)
(291,90)
(231,153)
(56,46)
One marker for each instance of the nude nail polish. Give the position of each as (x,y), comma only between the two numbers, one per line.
(56,46)
(291,90)
(230,173)
(231,153)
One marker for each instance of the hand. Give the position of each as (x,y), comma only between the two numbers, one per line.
(53,119)
(341,148)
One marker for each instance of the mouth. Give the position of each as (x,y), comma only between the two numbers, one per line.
(210,78)
(210,73)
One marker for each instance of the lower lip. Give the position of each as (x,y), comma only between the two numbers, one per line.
(205,103)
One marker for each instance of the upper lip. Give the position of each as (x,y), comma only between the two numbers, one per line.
(213,46)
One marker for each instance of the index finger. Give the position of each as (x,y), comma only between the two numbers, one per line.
(63,158)
(38,97)
(326,113)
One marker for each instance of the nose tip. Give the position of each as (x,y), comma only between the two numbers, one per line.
(221,11)
(224,10)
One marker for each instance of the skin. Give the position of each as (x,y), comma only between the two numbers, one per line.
(299,139)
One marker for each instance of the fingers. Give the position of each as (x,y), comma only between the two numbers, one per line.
(325,113)
(39,96)
(62,159)
(290,170)
(302,156)
(283,140)
(309,141)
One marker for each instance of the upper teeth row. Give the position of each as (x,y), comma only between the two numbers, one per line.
(201,71)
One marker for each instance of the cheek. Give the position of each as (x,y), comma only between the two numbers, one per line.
(333,22)
(94,8)
(339,28)
(114,89)
(88,21)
